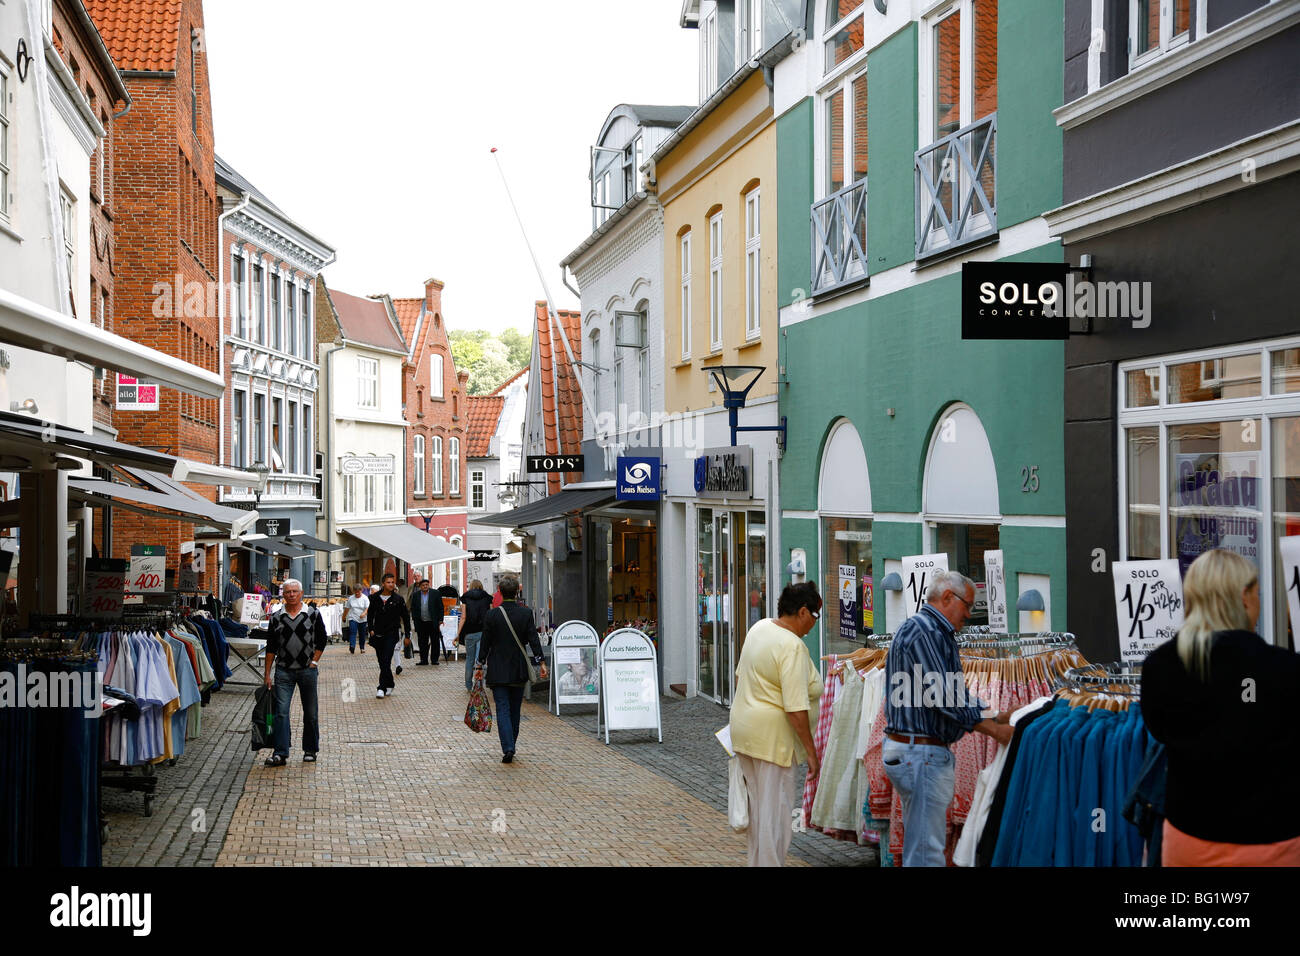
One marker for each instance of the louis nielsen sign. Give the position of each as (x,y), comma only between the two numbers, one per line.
(725,471)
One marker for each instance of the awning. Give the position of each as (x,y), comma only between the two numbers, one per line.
(178,502)
(275,546)
(27,434)
(304,540)
(407,543)
(549,508)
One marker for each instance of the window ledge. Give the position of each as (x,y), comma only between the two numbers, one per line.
(1176,64)
(684,363)
(8,231)
(752,343)
(716,354)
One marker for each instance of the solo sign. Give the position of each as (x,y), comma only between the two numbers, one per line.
(637,478)
(1148,605)
(1012,300)
(918,571)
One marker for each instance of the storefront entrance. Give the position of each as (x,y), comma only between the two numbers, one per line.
(731,570)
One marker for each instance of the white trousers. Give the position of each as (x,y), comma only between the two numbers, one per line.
(771,810)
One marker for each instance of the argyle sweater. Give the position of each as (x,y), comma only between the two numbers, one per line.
(293,639)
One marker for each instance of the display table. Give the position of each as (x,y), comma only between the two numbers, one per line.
(249,652)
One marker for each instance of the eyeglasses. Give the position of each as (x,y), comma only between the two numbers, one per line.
(816,614)
(970,605)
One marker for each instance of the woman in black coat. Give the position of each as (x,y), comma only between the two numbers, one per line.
(507,669)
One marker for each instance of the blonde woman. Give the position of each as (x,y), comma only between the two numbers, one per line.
(1222,701)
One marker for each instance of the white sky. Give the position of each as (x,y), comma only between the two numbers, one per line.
(370,124)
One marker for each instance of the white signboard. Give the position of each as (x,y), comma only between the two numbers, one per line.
(134,395)
(147,574)
(366,464)
(995,589)
(253,613)
(449,629)
(629,682)
(1148,605)
(576,676)
(918,570)
(1291,578)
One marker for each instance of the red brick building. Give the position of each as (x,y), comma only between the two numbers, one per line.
(434,405)
(164,202)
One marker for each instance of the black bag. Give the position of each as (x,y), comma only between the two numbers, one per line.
(263,735)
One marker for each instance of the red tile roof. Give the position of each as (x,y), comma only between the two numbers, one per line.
(366,321)
(140,34)
(408,313)
(501,389)
(484,412)
(561,393)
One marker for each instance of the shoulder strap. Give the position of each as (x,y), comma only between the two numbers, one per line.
(518,643)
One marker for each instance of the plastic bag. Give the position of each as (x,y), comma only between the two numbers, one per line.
(478,713)
(263,735)
(737,797)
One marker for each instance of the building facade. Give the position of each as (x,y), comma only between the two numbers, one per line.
(1184,397)
(494,467)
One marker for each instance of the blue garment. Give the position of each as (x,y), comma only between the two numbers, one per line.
(923,661)
(1048,808)
(471,656)
(188,687)
(1087,841)
(1132,771)
(1069,821)
(1023,779)
(924,776)
(286,679)
(356,628)
(509,700)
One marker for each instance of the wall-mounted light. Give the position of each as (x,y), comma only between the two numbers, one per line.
(893,581)
(1031,600)
(28,406)
(882,6)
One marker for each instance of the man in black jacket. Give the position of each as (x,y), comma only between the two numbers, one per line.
(387,612)
(476,603)
(426,609)
(509,641)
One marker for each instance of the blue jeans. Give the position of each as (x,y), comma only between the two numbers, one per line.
(471,653)
(508,701)
(285,681)
(924,776)
(356,629)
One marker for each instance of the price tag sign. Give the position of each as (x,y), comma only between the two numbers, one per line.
(105,588)
(848,601)
(995,588)
(918,571)
(1290,548)
(148,571)
(1148,605)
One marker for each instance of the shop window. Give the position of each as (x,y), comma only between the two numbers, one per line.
(849,615)
(1286,510)
(1143,464)
(965,545)
(1214,500)
(1142,388)
(1209,380)
(1286,371)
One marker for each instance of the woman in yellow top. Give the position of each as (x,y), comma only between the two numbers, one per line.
(776,682)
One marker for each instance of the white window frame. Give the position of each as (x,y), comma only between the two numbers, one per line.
(477,489)
(643,363)
(1168,42)
(1266,407)
(715,282)
(435,464)
(349,494)
(594,354)
(708,54)
(290,344)
(454,567)
(436,373)
(308,459)
(259,452)
(927,134)
(6,171)
(291,442)
(305,301)
(620,398)
(453,465)
(846,75)
(686,295)
(274,309)
(239,428)
(753,265)
(749,42)
(68,212)
(276,436)
(367,382)
(369,493)
(390,494)
(831,29)
(417,455)
(258,283)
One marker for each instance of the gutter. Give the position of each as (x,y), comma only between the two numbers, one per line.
(605,227)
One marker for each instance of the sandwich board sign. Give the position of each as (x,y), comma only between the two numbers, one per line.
(576,678)
(629,682)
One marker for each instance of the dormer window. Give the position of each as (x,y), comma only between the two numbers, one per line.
(708,54)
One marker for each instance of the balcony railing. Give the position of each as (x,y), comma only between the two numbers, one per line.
(839,238)
(956,189)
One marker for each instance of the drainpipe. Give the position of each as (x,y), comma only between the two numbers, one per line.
(564,278)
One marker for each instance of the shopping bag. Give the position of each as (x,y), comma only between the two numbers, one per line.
(478,714)
(263,735)
(737,797)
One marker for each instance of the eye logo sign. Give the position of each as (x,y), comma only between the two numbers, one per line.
(638,479)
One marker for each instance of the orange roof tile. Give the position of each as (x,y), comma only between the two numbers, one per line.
(408,313)
(140,34)
(483,411)
(561,393)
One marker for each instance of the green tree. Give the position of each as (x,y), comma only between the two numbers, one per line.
(490,360)
(520,346)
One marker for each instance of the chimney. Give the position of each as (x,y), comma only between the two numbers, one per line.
(433,295)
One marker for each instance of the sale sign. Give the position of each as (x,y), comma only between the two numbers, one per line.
(918,571)
(995,586)
(148,570)
(134,395)
(105,586)
(1148,605)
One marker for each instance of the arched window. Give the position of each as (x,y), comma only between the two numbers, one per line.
(435,376)
(453,464)
(419,464)
(455,566)
(435,461)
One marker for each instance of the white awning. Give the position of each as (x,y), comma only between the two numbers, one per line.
(33,326)
(408,543)
(175,502)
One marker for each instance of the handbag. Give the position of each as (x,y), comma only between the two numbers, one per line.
(263,734)
(737,797)
(478,713)
(532,670)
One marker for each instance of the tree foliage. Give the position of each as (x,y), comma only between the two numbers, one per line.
(489,359)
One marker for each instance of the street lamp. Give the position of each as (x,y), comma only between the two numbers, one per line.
(427,514)
(735,381)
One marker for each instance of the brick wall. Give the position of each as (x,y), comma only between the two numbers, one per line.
(428,416)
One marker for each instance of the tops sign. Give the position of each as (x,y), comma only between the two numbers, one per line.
(725,472)
(637,478)
(367,464)
(552,464)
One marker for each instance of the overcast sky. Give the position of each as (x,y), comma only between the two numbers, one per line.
(370,124)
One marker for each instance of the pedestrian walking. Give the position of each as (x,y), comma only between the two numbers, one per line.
(389,618)
(475,603)
(426,611)
(508,635)
(295,640)
(356,608)
(1219,697)
(918,733)
(776,683)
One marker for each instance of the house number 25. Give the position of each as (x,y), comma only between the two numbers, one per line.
(1030,475)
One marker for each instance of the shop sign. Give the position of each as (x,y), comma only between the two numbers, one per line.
(918,571)
(860,536)
(725,472)
(367,464)
(134,395)
(1290,548)
(1148,605)
(254,611)
(485,555)
(629,682)
(1013,300)
(272,527)
(1216,492)
(995,584)
(636,478)
(105,588)
(848,601)
(187,580)
(318,577)
(336,577)
(554,464)
(868,603)
(148,570)
(577,678)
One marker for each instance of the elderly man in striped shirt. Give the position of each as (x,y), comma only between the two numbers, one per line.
(927,709)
